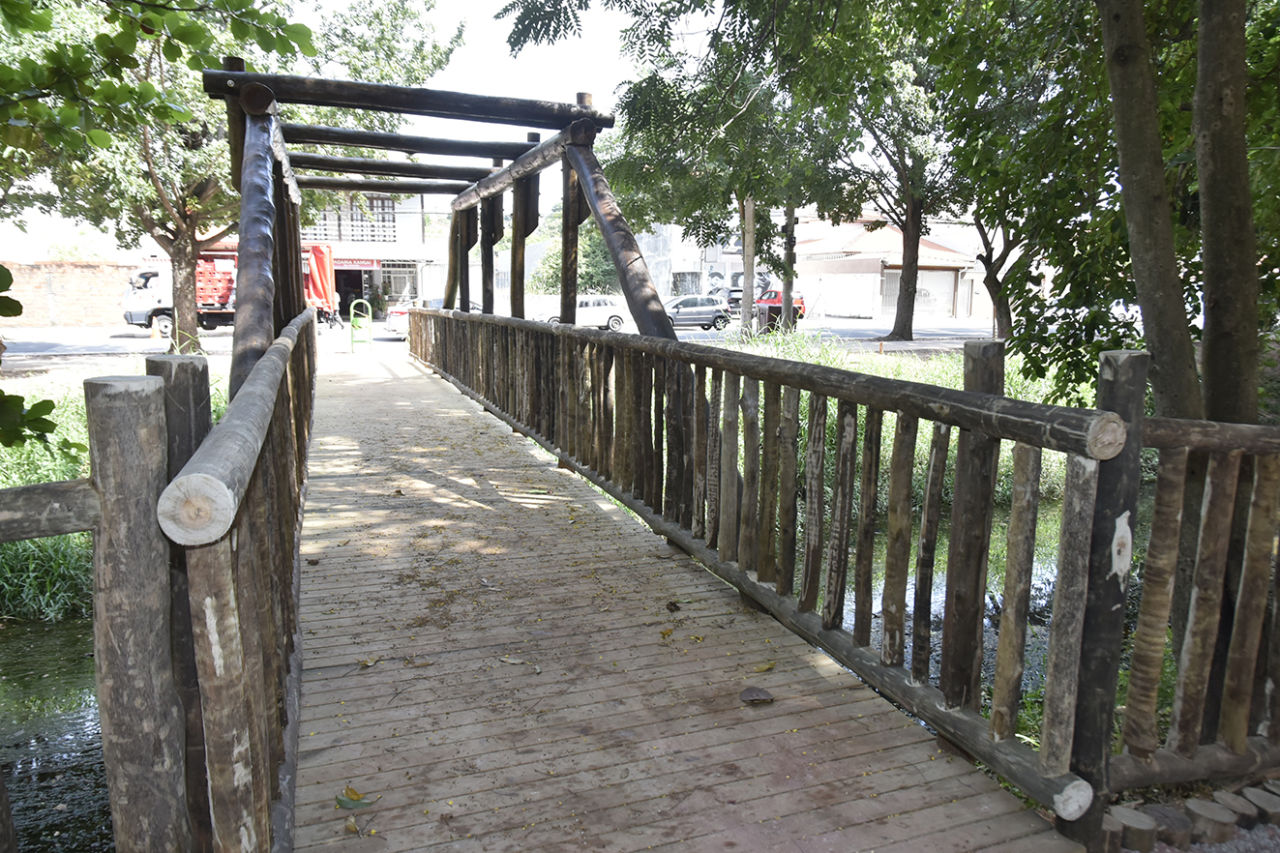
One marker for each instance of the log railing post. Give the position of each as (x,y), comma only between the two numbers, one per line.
(573,212)
(1121,389)
(490,234)
(188,419)
(255,287)
(524,220)
(467,228)
(143,740)
(970,536)
(451,276)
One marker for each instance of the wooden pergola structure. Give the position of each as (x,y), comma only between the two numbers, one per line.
(478,192)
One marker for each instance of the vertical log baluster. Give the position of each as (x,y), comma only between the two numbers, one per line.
(729,478)
(897,552)
(788,461)
(814,502)
(644,447)
(1251,603)
(862,568)
(971,513)
(748,529)
(656,468)
(1062,662)
(926,548)
(700,411)
(766,567)
(1141,736)
(1206,603)
(713,458)
(841,510)
(1019,562)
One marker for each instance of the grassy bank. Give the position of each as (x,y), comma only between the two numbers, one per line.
(51,579)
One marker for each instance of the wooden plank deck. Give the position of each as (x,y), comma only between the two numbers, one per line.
(507,661)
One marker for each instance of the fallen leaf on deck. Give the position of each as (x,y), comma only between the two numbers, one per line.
(344,542)
(667,632)
(413,661)
(697,638)
(755,696)
(673,606)
(350,798)
(765,667)
(368,662)
(312,562)
(510,659)
(398,493)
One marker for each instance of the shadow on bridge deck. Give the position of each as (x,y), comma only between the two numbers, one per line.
(501,659)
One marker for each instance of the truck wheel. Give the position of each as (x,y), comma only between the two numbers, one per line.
(163,323)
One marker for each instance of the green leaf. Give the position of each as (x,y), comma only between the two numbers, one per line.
(172,50)
(99,138)
(9,307)
(348,803)
(40,409)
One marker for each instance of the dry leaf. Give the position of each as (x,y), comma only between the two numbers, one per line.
(667,632)
(368,662)
(765,667)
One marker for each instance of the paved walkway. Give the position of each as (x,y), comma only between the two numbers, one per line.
(498,658)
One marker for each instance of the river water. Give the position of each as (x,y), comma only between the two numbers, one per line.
(50,739)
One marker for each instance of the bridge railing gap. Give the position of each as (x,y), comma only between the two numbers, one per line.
(726,454)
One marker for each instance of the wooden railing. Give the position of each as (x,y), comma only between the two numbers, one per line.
(195,635)
(711,448)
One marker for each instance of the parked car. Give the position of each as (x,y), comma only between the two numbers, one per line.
(397,322)
(730,295)
(603,312)
(773,298)
(705,311)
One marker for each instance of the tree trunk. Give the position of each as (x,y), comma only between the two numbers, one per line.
(748,208)
(789,271)
(1000,301)
(186,324)
(1148,217)
(1230,351)
(904,314)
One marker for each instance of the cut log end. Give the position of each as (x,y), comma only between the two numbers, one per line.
(1073,801)
(196,509)
(1106,436)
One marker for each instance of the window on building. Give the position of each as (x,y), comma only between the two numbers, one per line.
(347,222)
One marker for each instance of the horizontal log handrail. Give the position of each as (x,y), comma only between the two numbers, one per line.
(367,166)
(309,134)
(201,503)
(375,185)
(1088,432)
(48,509)
(545,154)
(293,89)
(1169,433)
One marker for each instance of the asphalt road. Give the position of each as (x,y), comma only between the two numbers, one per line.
(25,342)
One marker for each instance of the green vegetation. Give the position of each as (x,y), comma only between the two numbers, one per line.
(51,579)
(48,579)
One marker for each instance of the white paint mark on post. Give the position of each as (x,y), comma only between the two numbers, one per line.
(211,626)
(1122,548)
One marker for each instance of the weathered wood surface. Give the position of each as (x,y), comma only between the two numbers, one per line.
(926,552)
(255,284)
(814,502)
(200,504)
(1141,733)
(143,727)
(291,89)
(381,185)
(1019,563)
(841,508)
(47,509)
(408,143)
(507,684)
(392,168)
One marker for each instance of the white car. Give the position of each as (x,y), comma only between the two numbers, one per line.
(603,312)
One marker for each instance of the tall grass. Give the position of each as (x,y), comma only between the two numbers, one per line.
(51,579)
(48,579)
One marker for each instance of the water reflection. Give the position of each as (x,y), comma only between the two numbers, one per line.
(50,739)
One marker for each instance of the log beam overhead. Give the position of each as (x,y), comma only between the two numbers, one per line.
(292,89)
(305,134)
(367,166)
(374,185)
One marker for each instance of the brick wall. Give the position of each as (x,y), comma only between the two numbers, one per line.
(69,293)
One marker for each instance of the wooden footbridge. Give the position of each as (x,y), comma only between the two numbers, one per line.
(562,589)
